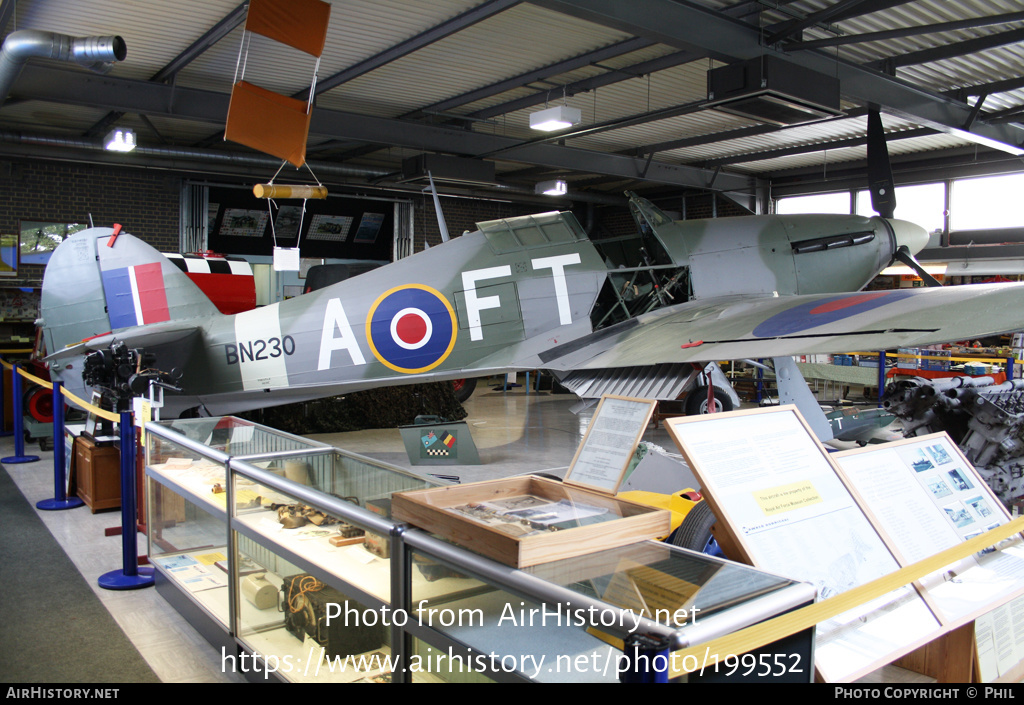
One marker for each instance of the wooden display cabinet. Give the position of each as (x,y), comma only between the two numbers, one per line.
(98,474)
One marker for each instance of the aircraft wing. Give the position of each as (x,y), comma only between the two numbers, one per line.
(732,328)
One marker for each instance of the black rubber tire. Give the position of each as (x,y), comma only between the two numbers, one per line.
(695,531)
(697,401)
(464,388)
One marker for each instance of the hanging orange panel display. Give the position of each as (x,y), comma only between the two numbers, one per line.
(264,120)
(268,121)
(301,24)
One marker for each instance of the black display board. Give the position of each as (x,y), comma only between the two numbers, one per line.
(340,228)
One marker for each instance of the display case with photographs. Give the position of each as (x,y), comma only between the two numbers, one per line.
(296,569)
(526,520)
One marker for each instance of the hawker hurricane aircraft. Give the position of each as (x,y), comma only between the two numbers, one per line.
(525,293)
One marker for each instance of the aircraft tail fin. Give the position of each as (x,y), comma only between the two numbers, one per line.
(98,281)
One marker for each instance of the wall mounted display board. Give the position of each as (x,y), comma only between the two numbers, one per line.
(37,239)
(335,227)
(8,255)
(608,446)
(786,506)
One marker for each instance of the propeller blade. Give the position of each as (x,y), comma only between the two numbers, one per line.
(904,256)
(883,193)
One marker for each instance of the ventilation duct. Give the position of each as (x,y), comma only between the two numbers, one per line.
(94,53)
(768,89)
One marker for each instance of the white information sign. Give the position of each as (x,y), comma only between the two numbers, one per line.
(607,448)
(765,473)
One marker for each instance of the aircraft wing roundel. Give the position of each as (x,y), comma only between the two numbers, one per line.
(734,328)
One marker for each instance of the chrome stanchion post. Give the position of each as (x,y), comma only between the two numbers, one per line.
(60,499)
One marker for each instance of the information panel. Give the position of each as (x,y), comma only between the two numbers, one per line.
(925,497)
(608,446)
(767,477)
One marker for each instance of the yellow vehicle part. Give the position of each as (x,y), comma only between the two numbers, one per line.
(679,503)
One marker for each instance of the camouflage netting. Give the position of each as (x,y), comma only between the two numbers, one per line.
(385,407)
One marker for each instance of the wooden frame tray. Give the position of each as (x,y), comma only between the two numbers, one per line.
(600,521)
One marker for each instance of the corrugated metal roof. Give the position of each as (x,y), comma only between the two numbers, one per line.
(646,96)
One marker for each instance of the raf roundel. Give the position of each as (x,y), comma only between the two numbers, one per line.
(411,328)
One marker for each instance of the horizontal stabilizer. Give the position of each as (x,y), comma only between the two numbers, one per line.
(151,336)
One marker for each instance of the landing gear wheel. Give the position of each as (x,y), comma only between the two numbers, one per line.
(464,388)
(697,402)
(695,531)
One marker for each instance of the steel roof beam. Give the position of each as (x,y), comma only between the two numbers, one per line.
(617,49)
(795,26)
(836,13)
(809,148)
(905,32)
(688,26)
(220,30)
(423,39)
(64,85)
(970,46)
(592,83)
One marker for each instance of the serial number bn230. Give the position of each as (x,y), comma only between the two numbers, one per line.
(259,349)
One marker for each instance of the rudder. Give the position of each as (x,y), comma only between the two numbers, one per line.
(96,283)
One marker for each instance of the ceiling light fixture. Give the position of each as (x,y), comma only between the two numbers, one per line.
(120,139)
(556,118)
(551,188)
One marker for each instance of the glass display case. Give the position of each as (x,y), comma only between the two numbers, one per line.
(283,552)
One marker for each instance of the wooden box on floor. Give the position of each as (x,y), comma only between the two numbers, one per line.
(98,474)
(615,523)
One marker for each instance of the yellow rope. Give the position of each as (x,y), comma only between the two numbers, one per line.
(35,380)
(78,401)
(745,640)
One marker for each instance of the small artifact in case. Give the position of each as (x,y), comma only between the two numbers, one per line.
(259,591)
(377,544)
(305,601)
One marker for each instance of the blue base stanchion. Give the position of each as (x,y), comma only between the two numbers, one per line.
(54,504)
(119,580)
(19,420)
(60,499)
(131,576)
(15,459)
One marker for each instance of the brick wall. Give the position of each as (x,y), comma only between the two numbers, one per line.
(145,203)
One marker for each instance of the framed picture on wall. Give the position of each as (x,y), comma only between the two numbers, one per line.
(8,255)
(38,239)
